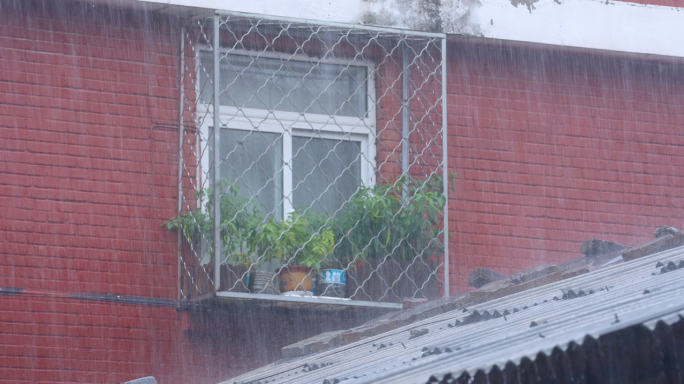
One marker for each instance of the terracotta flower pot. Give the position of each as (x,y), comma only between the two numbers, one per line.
(295,278)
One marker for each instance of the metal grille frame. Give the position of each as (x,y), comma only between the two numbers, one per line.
(402,135)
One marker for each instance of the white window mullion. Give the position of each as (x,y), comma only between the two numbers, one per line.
(256,111)
(368,160)
(287,173)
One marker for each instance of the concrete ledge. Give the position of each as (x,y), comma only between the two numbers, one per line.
(662,243)
(597,247)
(483,276)
(533,273)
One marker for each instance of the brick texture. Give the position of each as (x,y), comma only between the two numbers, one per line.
(89,161)
(87,150)
(88,106)
(84,342)
(49,339)
(88,136)
(556,148)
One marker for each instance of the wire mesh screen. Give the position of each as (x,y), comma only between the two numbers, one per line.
(311,161)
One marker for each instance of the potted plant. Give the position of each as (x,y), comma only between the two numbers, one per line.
(395,244)
(239,223)
(364,230)
(299,245)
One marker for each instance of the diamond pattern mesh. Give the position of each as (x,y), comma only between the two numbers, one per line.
(330,157)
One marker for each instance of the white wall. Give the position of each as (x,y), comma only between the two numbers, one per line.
(612,25)
(600,24)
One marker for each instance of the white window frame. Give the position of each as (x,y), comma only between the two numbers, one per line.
(289,124)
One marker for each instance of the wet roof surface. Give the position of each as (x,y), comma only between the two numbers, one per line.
(509,329)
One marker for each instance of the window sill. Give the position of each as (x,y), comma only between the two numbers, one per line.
(296,302)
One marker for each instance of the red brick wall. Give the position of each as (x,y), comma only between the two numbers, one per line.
(388,116)
(88,158)
(88,132)
(69,341)
(556,148)
(88,106)
(50,339)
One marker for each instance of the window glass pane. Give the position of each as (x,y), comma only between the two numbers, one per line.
(326,172)
(288,85)
(253,161)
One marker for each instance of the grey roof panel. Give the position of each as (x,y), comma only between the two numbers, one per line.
(507,329)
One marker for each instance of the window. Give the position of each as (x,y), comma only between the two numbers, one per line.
(295,133)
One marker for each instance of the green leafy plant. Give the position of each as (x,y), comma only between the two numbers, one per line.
(378,221)
(296,240)
(417,225)
(238,228)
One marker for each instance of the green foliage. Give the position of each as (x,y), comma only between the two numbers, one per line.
(296,240)
(302,239)
(377,222)
(239,223)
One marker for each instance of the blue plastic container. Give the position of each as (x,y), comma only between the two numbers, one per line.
(332,283)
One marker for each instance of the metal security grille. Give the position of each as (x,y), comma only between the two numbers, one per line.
(312,161)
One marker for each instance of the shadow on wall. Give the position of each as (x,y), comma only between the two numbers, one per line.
(253,335)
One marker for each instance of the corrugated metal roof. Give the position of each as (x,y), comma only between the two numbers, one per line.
(508,329)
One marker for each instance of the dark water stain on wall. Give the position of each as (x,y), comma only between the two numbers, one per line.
(449,16)
(528,3)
